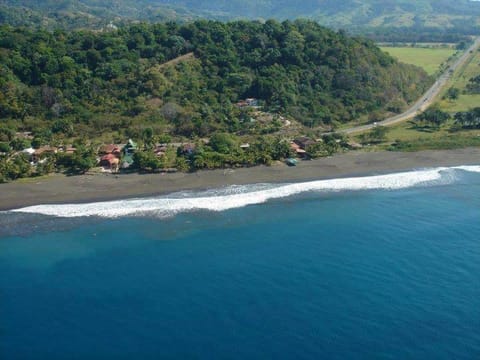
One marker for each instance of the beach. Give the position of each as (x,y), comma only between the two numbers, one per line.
(59,188)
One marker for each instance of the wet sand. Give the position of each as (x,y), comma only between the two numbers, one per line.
(100,187)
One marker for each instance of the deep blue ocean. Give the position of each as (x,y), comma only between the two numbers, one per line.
(333,270)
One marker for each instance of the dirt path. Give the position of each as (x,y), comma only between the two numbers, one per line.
(177,60)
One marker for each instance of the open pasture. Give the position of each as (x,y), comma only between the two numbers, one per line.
(430,59)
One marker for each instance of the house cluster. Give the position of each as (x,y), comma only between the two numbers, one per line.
(38,156)
(111,157)
(300,145)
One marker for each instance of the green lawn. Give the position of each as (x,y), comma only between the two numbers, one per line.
(463,103)
(460,80)
(429,59)
(406,137)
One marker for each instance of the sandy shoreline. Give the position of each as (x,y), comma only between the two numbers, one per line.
(101,187)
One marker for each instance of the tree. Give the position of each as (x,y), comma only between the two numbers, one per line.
(148,138)
(82,160)
(433,117)
(5,147)
(165,139)
(462,45)
(181,164)
(473,85)
(468,119)
(453,93)
(46,167)
(17,167)
(6,134)
(281,149)
(222,143)
(146,161)
(377,134)
(63,126)
(19,144)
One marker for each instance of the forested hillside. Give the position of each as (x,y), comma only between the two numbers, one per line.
(348,14)
(89,83)
(85,14)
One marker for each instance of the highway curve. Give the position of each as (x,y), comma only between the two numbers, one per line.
(425,100)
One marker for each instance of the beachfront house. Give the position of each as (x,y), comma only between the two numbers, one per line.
(42,153)
(304,142)
(109,162)
(297,149)
(110,156)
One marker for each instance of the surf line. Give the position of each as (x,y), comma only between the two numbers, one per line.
(240,196)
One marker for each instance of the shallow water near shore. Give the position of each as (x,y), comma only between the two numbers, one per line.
(311,271)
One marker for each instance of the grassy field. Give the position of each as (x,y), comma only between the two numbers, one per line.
(406,137)
(429,59)
(460,81)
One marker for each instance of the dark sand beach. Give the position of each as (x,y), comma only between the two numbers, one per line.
(101,187)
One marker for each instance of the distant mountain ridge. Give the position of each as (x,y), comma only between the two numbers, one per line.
(332,13)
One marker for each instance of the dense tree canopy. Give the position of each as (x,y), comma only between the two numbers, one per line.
(86,83)
(468,119)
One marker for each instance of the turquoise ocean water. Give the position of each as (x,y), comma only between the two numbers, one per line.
(380,267)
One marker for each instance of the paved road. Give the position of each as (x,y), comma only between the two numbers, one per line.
(426,100)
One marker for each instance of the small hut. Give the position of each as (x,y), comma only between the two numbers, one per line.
(297,149)
(304,142)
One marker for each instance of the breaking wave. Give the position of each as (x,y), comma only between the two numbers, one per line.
(240,196)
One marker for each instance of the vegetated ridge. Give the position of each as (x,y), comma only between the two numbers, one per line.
(438,14)
(107,81)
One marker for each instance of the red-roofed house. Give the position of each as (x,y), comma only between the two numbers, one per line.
(298,150)
(110,149)
(109,161)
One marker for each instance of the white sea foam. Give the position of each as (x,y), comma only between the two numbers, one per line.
(469,168)
(239,196)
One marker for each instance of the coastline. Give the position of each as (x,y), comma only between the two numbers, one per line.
(58,188)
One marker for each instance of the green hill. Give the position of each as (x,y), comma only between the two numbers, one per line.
(438,14)
(100,81)
(88,14)
(341,13)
